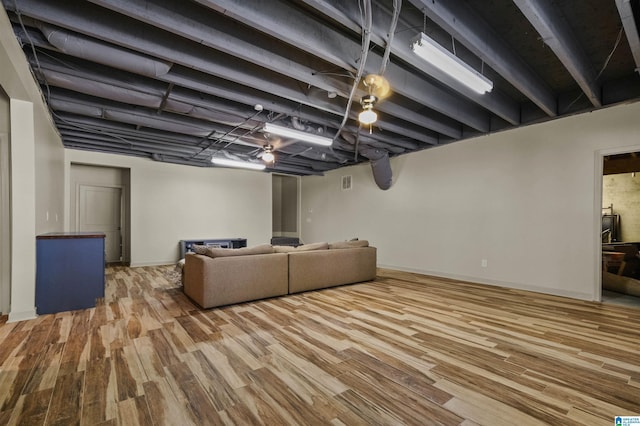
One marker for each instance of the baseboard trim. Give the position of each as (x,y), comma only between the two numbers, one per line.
(139,264)
(22,316)
(506,284)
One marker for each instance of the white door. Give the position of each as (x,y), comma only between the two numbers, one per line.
(100,211)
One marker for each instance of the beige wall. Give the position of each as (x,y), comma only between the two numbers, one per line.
(623,191)
(5,211)
(172,202)
(527,201)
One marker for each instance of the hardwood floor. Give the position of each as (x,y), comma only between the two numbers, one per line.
(404,349)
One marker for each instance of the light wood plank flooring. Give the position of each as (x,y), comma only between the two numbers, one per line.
(403,349)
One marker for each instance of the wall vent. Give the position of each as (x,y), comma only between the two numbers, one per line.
(346,183)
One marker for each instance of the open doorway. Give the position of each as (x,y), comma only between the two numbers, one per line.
(100,202)
(285,210)
(620,231)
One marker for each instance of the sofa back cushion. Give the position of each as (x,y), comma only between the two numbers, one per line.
(199,249)
(304,247)
(226,252)
(313,246)
(349,244)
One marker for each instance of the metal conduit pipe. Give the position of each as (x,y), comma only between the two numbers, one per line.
(101,90)
(150,134)
(107,140)
(82,47)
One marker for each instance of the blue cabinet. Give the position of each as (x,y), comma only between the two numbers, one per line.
(69,271)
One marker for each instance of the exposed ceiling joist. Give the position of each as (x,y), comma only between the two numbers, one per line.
(347,13)
(455,17)
(630,28)
(306,33)
(181,81)
(556,34)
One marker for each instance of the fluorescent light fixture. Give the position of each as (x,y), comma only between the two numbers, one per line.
(297,134)
(429,50)
(235,163)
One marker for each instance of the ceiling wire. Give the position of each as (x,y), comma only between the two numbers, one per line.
(364,52)
(397,6)
(615,46)
(604,66)
(227,133)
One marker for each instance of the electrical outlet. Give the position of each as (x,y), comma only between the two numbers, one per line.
(483,263)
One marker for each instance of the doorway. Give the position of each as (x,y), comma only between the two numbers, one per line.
(100,210)
(100,200)
(285,208)
(620,229)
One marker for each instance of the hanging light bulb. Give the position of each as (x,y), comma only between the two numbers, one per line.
(268,156)
(368,116)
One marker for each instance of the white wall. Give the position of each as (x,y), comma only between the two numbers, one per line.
(526,200)
(172,202)
(23,230)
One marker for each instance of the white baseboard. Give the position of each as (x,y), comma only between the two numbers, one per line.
(22,316)
(166,262)
(479,280)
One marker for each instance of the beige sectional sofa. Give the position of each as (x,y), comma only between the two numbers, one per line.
(216,277)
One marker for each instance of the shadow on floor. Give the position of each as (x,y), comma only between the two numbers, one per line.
(613,298)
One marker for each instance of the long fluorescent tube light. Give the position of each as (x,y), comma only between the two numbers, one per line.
(297,134)
(234,163)
(429,50)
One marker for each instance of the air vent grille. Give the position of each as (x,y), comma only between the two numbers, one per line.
(346,183)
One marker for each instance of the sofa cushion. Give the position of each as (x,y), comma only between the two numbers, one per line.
(349,244)
(314,270)
(199,249)
(305,247)
(245,251)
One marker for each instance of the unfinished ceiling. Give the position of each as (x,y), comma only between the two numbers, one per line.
(183,81)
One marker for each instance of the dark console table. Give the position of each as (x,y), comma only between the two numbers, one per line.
(186,245)
(69,271)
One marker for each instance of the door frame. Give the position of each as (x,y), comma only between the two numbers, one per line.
(297,232)
(5,225)
(597,210)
